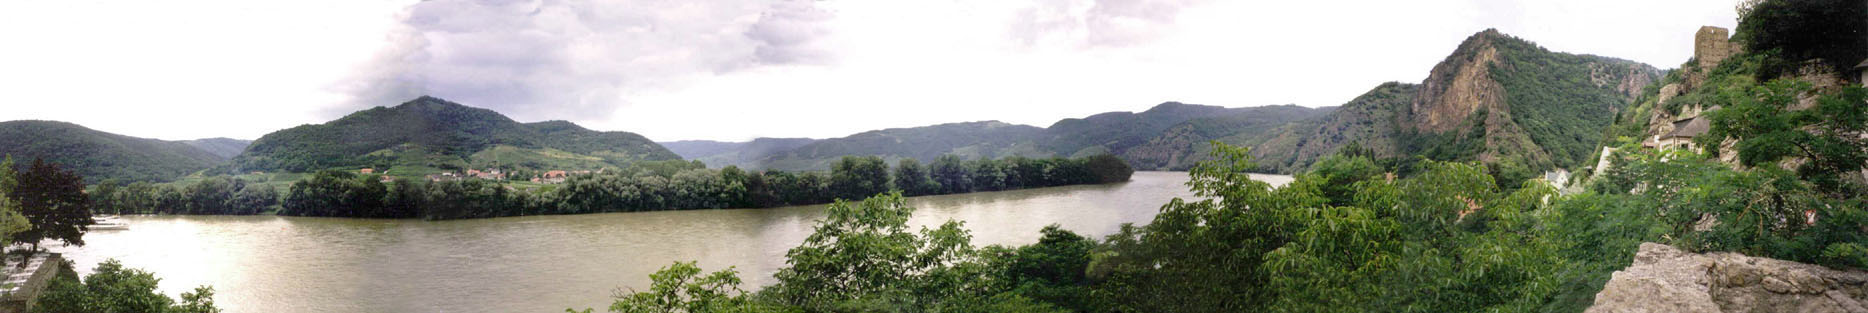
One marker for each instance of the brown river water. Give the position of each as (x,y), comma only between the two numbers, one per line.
(546,263)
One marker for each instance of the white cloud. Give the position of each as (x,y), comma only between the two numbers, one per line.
(735,70)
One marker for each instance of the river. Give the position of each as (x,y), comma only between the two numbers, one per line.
(546,263)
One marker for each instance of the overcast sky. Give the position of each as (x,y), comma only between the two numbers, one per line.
(734,70)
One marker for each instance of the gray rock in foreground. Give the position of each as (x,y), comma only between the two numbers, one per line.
(1667,279)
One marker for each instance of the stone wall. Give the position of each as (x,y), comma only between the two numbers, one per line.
(1711,46)
(1667,279)
(27,282)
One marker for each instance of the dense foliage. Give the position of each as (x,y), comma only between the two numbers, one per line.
(112,288)
(99,155)
(1348,236)
(1832,31)
(1825,140)
(11,221)
(53,201)
(673,185)
(221,195)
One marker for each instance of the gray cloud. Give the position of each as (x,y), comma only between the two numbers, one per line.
(1097,23)
(573,59)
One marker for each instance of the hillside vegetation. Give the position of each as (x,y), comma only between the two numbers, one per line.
(429,135)
(99,155)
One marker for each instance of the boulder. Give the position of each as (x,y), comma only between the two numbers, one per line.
(1667,279)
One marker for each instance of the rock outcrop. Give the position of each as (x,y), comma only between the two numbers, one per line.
(1667,279)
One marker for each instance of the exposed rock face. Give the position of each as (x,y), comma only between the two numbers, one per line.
(1490,100)
(1667,279)
(1459,86)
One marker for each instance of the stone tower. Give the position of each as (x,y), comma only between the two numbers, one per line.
(1712,45)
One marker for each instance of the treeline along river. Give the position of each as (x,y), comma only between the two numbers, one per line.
(546,263)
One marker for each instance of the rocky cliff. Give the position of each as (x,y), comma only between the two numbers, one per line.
(1667,279)
(1495,98)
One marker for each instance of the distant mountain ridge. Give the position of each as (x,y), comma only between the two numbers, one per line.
(1162,137)
(742,154)
(100,155)
(1496,99)
(429,134)
(224,147)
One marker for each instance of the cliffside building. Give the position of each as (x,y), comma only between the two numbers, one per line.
(1683,133)
(1862,70)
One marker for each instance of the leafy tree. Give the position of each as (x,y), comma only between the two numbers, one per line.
(951,173)
(112,288)
(680,288)
(1340,173)
(1054,270)
(1830,30)
(104,198)
(53,201)
(858,177)
(1108,169)
(912,180)
(254,199)
(11,222)
(862,252)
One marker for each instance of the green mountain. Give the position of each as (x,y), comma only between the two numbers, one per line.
(992,139)
(1168,136)
(100,155)
(428,135)
(742,154)
(1496,99)
(226,148)
(1144,141)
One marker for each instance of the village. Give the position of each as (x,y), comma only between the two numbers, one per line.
(546,177)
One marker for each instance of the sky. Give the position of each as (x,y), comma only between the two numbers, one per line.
(734,70)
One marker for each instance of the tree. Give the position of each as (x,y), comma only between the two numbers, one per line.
(858,177)
(254,199)
(1052,270)
(680,288)
(112,288)
(11,222)
(1108,169)
(862,252)
(913,180)
(105,198)
(951,173)
(1340,173)
(1830,30)
(53,201)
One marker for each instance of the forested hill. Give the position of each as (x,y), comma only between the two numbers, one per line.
(100,155)
(429,134)
(742,154)
(1497,99)
(991,139)
(1168,136)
